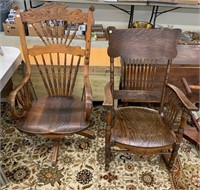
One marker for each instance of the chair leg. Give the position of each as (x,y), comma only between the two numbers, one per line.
(169,161)
(174,154)
(107,148)
(108,139)
(55,152)
(107,157)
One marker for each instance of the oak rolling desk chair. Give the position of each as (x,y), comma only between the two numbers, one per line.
(58,61)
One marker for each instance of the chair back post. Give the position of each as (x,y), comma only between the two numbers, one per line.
(112,78)
(112,65)
(166,78)
(88,39)
(22,35)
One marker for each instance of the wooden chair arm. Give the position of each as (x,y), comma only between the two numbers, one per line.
(88,98)
(186,102)
(108,97)
(14,98)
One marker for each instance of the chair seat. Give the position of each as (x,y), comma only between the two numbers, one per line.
(55,115)
(140,127)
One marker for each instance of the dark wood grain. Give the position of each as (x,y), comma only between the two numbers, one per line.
(133,43)
(42,119)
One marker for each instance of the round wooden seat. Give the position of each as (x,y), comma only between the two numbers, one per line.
(55,115)
(141,127)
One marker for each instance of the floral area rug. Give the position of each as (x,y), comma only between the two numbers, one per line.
(26,162)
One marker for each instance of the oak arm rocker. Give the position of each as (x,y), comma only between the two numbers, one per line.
(140,128)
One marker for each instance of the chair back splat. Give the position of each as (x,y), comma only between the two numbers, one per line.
(58,60)
(143,129)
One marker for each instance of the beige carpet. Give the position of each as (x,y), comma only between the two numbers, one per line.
(26,161)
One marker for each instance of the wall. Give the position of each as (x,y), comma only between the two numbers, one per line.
(186,19)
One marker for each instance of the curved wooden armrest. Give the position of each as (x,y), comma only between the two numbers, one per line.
(186,102)
(108,97)
(88,98)
(14,100)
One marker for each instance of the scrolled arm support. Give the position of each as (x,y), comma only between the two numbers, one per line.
(87,98)
(108,97)
(19,99)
